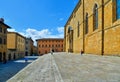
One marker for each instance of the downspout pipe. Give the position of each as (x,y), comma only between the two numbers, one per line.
(102,51)
(83,28)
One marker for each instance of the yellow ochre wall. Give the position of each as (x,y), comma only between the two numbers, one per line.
(103,41)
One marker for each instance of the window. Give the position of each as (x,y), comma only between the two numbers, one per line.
(0,40)
(26,42)
(95,17)
(78,29)
(117,9)
(70,29)
(39,46)
(5,41)
(52,45)
(0,29)
(5,31)
(26,48)
(58,45)
(86,24)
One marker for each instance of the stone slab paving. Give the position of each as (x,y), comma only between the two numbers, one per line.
(88,68)
(67,67)
(43,69)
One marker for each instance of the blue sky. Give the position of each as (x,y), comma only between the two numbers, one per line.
(37,18)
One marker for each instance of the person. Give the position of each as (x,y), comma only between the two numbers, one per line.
(51,52)
(26,59)
(81,52)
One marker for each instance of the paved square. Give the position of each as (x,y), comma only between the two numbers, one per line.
(88,68)
(67,67)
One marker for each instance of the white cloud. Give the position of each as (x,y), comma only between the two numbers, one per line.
(60,29)
(37,34)
(11,30)
(44,33)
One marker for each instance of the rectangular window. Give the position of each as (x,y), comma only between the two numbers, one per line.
(4,41)
(58,45)
(52,45)
(26,48)
(39,46)
(0,29)
(5,31)
(0,40)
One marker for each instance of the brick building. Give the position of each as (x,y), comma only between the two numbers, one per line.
(45,45)
(94,27)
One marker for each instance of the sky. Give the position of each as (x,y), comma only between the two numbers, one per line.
(37,18)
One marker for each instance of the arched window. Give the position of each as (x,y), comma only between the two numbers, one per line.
(117,9)
(69,29)
(86,24)
(95,17)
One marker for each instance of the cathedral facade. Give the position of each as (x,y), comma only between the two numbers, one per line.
(94,28)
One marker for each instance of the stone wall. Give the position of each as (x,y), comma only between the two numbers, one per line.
(104,40)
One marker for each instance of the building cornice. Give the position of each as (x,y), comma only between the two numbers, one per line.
(50,39)
(15,33)
(5,24)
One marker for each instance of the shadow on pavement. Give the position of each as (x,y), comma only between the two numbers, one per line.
(11,68)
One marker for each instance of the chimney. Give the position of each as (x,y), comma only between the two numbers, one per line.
(2,20)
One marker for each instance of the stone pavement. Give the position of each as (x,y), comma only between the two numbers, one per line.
(43,69)
(9,69)
(67,67)
(88,68)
